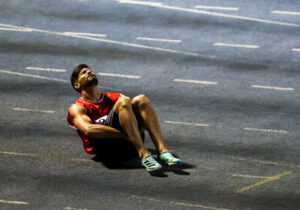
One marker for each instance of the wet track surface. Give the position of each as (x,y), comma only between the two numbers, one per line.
(224,82)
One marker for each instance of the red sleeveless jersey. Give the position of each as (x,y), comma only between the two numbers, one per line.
(95,110)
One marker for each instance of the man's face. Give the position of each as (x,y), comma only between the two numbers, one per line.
(87,78)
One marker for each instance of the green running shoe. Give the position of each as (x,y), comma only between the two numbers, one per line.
(150,163)
(168,158)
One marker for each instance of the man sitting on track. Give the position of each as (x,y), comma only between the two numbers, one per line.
(98,116)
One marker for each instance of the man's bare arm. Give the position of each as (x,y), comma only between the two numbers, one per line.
(84,123)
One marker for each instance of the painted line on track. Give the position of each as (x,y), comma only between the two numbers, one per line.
(127,44)
(196,81)
(15,29)
(186,123)
(32,76)
(33,110)
(285,12)
(296,49)
(265,130)
(179,203)
(85,34)
(18,154)
(263,162)
(45,69)
(217,8)
(159,40)
(265,181)
(250,176)
(236,45)
(71,208)
(273,88)
(45,78)
(119,75)
(80,160)
(160,5)
(14,202)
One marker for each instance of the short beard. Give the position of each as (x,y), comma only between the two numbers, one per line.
(93,82)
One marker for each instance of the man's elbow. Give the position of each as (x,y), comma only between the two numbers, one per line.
(91,132)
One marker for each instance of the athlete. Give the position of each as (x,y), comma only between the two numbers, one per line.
(100,115)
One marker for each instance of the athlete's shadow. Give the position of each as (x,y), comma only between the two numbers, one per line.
(120,154)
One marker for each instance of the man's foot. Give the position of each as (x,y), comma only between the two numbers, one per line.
(168,158)
(150,163)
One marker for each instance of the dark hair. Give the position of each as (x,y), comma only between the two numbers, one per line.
(76,71)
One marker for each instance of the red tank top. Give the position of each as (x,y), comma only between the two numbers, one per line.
(95,110)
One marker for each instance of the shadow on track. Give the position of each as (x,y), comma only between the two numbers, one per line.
(125,156)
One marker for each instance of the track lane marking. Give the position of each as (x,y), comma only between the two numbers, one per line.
(272,88)
(250,176)
(265,181)
(18,154)
(236,45)
(45,69)
(179,203)
(71,208)
(14,202)
(15,29)
(160,5)
(33,110)
(186,123)
(296,49)
(265,130)
(159,40)
(85,34)
(32,76)
(119,75)
(45,78)
(285,12)
(263,162)
(127,44)
(216,8)
(196,81)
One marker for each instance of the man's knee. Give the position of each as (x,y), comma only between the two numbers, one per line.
(123,102)
(141,101)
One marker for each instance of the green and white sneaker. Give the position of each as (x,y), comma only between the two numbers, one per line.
(168,158)
(150,163)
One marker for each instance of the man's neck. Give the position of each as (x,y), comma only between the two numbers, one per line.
(91,93)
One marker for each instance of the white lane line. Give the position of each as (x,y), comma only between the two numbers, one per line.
(45,69)
(236,45)
(265,130)
(186,123)
(80,160)
(263,162)
(160,5)
(178,203)
(33,110)
(196,81)
(71,208)
(84,34)
(15,29)
(18,154)
(14,202)
(32,76)
(249,176)
(217,8)
(296,49)
(127,44)
(46,78)
(147,3)
(273,88)
(285,12)
(119,75)
(158,40)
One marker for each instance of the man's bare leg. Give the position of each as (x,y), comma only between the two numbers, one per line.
(142,106)
(129,124)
